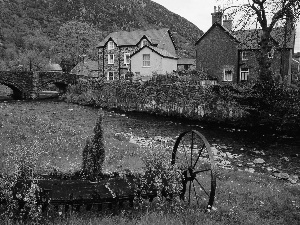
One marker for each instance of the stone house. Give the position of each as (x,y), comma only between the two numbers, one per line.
(86,68)
(231,56)
(115,51)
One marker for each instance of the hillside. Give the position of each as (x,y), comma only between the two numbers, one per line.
(31,27)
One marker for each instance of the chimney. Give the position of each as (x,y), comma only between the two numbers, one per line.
(227,23)
(217,15)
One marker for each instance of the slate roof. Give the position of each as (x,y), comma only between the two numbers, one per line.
(90,65)
(249,39)
(186,61)
(132,38)
(159,51)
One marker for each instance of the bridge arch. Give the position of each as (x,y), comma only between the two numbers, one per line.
(60,84)
(18,91)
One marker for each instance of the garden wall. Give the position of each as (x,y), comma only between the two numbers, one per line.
(173,99)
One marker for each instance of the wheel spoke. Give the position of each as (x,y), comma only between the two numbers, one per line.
(186,158)
(192,146)
(202,187)
(199,156)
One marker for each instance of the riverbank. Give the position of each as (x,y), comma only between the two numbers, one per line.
(237,106)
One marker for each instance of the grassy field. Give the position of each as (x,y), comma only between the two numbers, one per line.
(52,135)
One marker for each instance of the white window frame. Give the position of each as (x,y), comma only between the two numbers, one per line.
(125,59)
(113,75)
(244,55)
(111,60)
(224,75)
(244,74)
(146,62)
(271,54)
(111,45)
(144,42)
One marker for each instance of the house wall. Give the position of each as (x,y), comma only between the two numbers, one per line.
(155,63)
(118,67)
(168,65)
(215,52)
(276,64)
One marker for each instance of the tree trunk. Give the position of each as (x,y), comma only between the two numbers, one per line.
(265,73)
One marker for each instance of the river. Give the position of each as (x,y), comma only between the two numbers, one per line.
(280,153)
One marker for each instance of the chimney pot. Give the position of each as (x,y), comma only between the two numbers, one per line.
(217,16)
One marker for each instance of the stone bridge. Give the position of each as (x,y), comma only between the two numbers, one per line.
(26,85)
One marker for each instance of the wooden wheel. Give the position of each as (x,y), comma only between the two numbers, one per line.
(193,157)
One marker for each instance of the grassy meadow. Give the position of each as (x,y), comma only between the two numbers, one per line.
(51,135)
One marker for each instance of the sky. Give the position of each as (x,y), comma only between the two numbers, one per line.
(199,13)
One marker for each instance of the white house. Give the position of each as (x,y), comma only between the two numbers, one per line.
(149,59)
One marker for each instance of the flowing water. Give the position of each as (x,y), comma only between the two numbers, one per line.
(279,152)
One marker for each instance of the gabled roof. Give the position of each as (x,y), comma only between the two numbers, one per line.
(159,51)
(132,38)
(216,24)
(186,61)
(249,39)
(125,38)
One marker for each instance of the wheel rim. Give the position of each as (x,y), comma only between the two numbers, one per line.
(192,155)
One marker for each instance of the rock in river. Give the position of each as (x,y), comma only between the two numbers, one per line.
(258,161)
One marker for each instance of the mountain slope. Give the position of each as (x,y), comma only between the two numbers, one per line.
(22,19)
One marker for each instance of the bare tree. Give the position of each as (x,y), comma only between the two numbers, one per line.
(268,14)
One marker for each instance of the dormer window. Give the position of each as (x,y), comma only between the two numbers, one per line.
(111,45)
(144,42)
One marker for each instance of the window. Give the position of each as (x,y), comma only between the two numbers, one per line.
(111,45)
(126,58)
(146,60)
(271,54)
(228,74)
(110,75)
(244,55)
(144,42)
(244,74)
(111,58)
